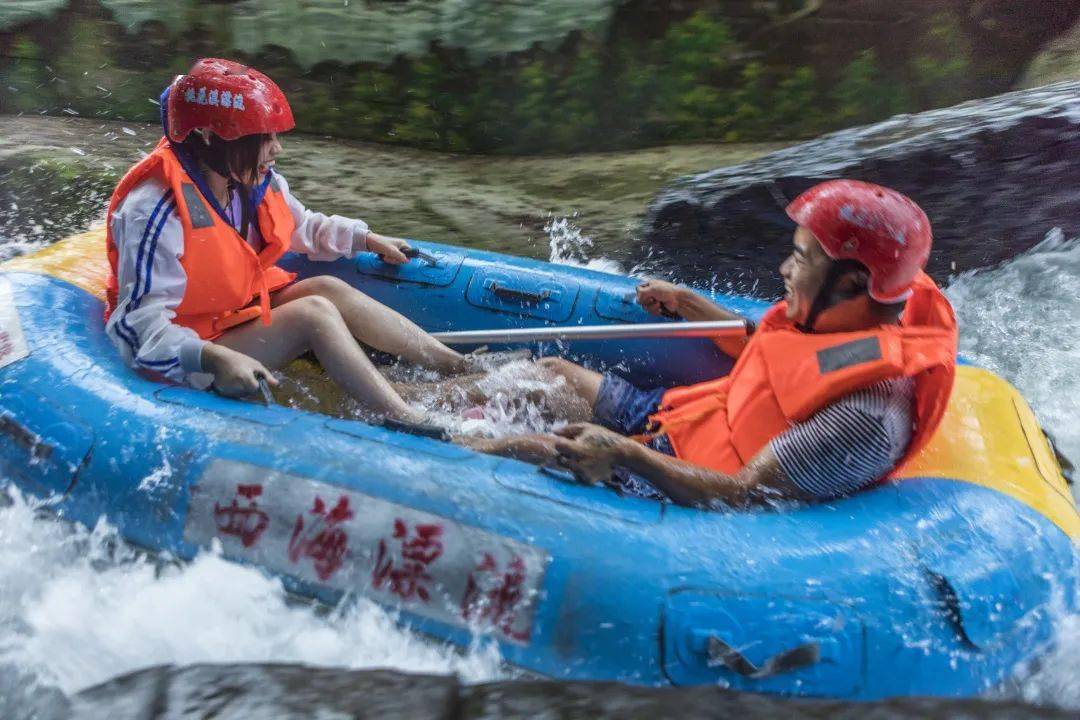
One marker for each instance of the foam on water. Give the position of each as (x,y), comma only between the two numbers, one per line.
(78,607)
(1022,320)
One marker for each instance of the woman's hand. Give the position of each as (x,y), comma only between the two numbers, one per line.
(390,249)
(235,374)
(660,297)
(590,451)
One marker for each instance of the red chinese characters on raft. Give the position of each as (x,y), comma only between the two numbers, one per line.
(247,521)
(409,578)
(321,538)
(493,595)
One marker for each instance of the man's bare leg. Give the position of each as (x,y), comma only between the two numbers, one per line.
(571,400)
(574,401)
(377,325)
(314,323)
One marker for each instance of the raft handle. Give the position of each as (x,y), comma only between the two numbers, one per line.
(515,295)
(435,432)
(25,437)
(723,655)
(1068,470)
(950,606)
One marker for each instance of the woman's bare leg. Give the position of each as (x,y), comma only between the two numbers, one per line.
(374,324)
(314,323)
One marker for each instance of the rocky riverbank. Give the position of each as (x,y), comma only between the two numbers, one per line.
(56,175)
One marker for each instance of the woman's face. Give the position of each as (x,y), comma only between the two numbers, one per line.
(269,152)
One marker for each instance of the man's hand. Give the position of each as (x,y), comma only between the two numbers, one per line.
(235,374)
(390,249)
(590,451)
(660,297)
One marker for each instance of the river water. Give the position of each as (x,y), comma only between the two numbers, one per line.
(78,606)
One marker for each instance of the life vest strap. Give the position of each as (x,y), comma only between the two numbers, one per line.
(236,317)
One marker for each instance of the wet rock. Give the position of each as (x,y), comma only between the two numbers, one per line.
(283,692)
(232,692)
(994,176)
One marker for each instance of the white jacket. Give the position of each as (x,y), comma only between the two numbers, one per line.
(146,335)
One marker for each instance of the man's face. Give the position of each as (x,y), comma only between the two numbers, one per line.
(804,273)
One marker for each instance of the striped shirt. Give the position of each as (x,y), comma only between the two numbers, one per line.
(850,444)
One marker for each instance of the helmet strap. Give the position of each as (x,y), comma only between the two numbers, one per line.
(823,299)
(245,209)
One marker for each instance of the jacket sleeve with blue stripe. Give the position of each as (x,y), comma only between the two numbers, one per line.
(150,242)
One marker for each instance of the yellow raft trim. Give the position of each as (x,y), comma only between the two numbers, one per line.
(79,260)
(988,437)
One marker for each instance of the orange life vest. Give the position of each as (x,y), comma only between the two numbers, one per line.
(784,376)
(224,274)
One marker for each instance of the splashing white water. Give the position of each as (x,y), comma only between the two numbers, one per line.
(1022,320)
(570,247)
(78,607)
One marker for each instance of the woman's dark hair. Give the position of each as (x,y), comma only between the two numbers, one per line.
(238,157)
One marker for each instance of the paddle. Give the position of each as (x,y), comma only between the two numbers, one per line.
(710,329)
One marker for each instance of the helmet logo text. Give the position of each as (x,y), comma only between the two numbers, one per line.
(211,96)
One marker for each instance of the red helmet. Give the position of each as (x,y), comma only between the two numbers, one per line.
(884,230)
(228,98)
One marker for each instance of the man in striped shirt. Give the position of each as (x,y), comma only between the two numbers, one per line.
(839,383)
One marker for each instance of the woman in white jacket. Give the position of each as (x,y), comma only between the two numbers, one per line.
(194,230)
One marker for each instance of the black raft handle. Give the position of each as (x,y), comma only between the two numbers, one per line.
(723,655)
(435,432)
(515,295)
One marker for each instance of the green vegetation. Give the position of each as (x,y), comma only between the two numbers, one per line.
(691,81)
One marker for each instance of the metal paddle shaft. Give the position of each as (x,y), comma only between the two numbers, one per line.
(712,328)
(264,390)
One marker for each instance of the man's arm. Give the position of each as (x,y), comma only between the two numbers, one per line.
(591,451)
(687,484)
(841,449)
(660,297)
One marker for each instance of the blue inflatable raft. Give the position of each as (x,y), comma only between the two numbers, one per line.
(943,583)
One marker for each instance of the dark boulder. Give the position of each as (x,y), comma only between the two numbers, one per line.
(244,691)
(994,176)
